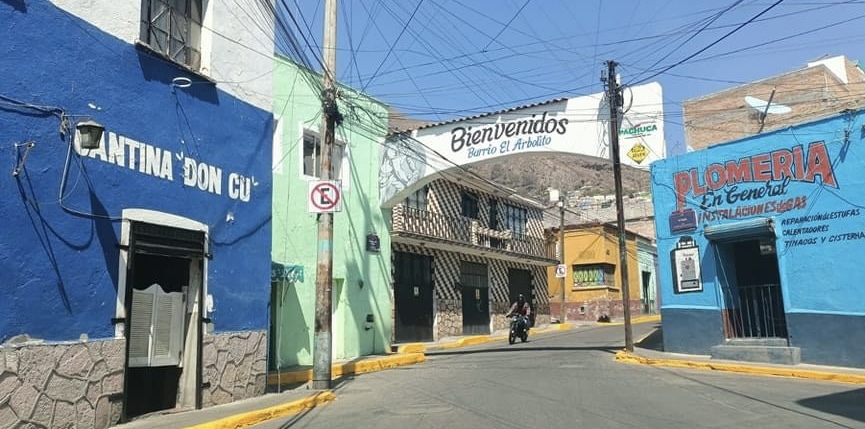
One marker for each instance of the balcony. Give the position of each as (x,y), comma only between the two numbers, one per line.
(458,233)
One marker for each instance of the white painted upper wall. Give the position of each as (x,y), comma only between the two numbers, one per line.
(837,65)
(236,41)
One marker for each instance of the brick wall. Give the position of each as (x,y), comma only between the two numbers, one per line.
(811,93)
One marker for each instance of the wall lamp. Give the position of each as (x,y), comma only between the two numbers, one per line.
(90,133)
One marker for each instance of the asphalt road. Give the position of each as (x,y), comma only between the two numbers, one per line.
(570,380)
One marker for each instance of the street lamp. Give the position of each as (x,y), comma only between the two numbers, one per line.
(90,134)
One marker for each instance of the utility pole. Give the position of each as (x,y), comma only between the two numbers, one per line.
(563,311)
(614,98)
(322,355)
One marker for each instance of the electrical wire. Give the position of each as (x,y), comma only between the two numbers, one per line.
(705,48)
(505,27)
(699,31)
(392,44)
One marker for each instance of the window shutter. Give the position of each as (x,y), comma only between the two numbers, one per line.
(167,329)
(156,332)
(141,321)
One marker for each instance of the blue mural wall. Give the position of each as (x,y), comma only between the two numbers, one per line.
(59,246)
(808,179)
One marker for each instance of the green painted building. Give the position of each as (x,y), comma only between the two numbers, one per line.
(647,260)
(361,274)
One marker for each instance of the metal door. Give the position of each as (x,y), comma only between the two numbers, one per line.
(475,298)
(413,297)
(754,304)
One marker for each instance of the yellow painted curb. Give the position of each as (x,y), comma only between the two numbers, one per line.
(373,365)
(624,356)
(471,341)
(647,319)
(551,328)
(293,377)
(349,368)
(641,319)
(258,416)
(411,348)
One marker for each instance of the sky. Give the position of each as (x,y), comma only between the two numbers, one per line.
(437,60)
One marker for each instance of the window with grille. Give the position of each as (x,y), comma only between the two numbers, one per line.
(515,219)
(173,28)
(473,274)
(494,214)
(418,200)
(594,275)
(312,156)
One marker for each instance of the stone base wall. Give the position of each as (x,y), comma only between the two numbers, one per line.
(68,385)
(498,312)
(591,310)
(449,317)
(234,365)
(542,314)
(80,385)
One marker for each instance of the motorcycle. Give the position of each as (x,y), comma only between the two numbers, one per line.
(519,329)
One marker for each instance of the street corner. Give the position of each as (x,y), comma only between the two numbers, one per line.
(626,356)
(259,416)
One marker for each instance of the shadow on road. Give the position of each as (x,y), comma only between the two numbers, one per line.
(845,404)
(293,420)
(847,407)
(653,341)
(516,349)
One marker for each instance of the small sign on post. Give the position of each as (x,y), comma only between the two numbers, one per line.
(325,196)
(560,271)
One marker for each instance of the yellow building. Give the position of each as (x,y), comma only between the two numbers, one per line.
(592,280)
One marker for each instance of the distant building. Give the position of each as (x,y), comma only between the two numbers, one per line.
(593,284)
(639,212)
(462,252)
(822,88)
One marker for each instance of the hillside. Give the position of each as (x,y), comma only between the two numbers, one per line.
(587,182)
(575,175)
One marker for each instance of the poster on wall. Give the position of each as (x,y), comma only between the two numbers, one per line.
(686,266)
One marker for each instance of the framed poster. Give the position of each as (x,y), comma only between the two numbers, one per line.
(686,267)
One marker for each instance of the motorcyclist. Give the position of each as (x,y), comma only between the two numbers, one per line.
(521,308)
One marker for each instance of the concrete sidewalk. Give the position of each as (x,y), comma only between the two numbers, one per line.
(236,414)
(649,351)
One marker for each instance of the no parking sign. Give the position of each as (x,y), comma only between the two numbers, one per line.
(560,271)
(325,196)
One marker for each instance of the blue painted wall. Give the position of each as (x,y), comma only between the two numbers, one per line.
(819,215)
(60,261)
